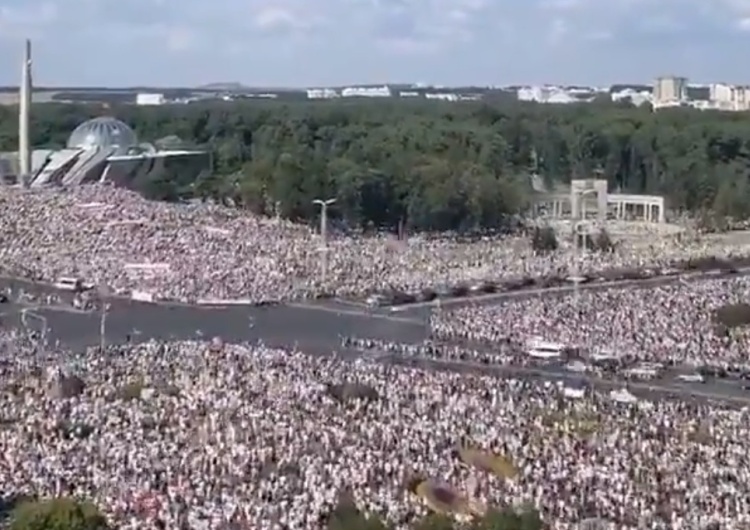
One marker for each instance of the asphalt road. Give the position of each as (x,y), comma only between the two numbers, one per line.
(315,327)
(726,391)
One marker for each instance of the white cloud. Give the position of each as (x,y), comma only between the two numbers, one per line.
(329,41)
(26,21)
(180,39)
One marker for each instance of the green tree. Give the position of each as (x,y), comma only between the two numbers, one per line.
(427,164)
(57,514)
(435,521)
(525,518)
(346,516)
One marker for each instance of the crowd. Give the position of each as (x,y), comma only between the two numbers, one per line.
(117,240)
(674,323)
(221,434)
(502,354)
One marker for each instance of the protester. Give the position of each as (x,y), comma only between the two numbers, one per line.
(204,434)
(117,240)
(675,323)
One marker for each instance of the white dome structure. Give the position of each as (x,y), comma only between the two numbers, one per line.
(102,133)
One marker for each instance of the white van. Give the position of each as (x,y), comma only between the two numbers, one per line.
(691,378)
(68,284)
(541,349)
(71,284)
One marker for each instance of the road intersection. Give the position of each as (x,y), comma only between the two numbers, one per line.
(316,327)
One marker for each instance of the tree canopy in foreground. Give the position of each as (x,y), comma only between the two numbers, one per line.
(66,513)
(62,513)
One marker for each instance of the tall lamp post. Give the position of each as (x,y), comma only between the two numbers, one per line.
(324,204)
(103,295)
(580,231)
(27,314)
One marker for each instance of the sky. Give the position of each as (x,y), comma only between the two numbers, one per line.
(304,43)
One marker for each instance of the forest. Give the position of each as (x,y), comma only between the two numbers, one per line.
(429,165)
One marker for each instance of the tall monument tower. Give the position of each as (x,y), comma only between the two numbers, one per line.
(24,108)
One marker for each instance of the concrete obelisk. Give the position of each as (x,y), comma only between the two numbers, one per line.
(24,108)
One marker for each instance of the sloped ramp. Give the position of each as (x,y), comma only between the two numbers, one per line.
(89,160)
(59,163)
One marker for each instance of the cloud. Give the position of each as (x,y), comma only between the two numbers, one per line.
(299,42)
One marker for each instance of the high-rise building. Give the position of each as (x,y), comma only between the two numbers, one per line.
(670,90)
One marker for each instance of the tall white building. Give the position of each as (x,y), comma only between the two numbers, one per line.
(670,90)
(149,99)
(741,98)
(363,92)
(730,97)
(322,93)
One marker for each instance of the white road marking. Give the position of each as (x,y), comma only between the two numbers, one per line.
(361,314)
(60,309)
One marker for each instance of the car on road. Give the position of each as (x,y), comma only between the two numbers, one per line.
(577,367)
(72,284)
(691,378)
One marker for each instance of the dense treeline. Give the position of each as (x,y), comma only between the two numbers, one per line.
(430,164)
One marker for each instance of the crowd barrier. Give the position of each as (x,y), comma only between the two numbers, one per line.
(142,296)
(220,302)
(709,266)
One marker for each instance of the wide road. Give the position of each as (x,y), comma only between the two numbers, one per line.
(314,327)
(311,325)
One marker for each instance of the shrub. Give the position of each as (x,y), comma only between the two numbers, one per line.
(130,391)
(344,392)
(346,516)
(544,239)
(435,521)
(62,513)
(602,242)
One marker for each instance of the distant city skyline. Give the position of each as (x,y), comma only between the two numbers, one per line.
(296,43)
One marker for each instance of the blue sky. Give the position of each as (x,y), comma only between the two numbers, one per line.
(334,42)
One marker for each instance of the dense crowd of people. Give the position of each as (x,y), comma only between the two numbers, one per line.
(219,434)
(117,240)
(673,323)
(204,435)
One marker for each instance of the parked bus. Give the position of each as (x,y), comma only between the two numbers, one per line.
(541,349)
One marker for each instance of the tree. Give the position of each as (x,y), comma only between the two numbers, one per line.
(602,242)
(543,239)
(429,165)
(346,516)
(435,521)
(525,518)
(62,513)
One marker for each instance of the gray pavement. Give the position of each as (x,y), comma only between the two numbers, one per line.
(727,391)
(316,327)
(276,325)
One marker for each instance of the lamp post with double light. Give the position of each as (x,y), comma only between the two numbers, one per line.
(103,309)
(324,204)
(28,314)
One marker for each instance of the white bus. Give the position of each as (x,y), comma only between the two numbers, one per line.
(72,284)
(540,349)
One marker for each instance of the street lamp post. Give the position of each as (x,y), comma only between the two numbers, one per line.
(28,313)
(580,231)
(103,294)
(324,204)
